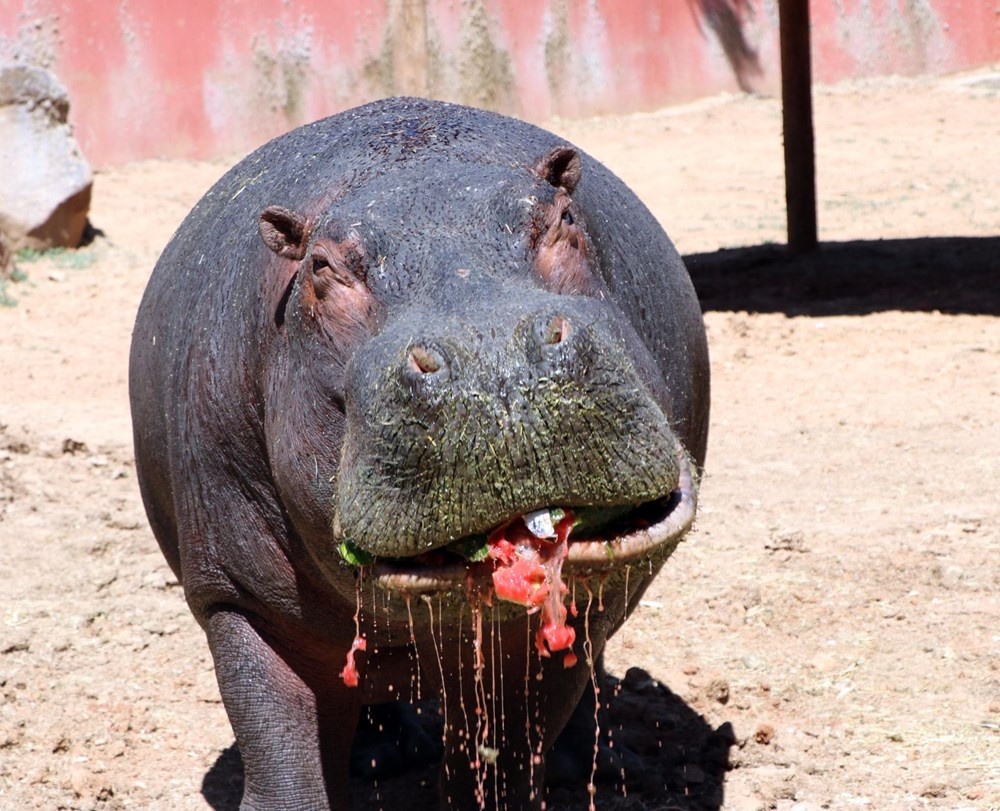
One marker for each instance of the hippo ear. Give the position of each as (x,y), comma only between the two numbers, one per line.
(561,168)
(284,232)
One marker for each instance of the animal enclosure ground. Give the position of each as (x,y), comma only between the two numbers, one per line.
(837,607)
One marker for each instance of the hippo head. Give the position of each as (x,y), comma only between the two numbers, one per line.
(470,363)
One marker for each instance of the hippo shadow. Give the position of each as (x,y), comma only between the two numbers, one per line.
(666,756)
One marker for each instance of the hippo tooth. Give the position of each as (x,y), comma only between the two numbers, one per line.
(540,523)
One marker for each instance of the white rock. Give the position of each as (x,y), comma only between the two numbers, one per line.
(45,183)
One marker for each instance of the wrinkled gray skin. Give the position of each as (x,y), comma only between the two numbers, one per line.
(400,325)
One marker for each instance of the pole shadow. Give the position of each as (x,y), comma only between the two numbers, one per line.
(671,756)
(930,274)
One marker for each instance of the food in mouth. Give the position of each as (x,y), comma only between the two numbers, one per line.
(528,554)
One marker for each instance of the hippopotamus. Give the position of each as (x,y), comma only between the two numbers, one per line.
(420,402)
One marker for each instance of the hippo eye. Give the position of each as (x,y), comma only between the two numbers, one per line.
(331,266)
(321,259)
(567,217)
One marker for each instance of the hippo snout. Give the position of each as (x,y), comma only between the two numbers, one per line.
(507,404)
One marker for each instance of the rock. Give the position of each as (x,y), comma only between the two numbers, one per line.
(953,577)
(46,183)
(751,597)
(21,645)
(156,580)
(935,789)
(824,662)
(73,446)
(718,690)
(742,794)
(775,783)
(785,540)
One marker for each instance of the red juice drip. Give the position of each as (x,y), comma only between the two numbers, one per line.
(413,641)
(350,672)
(588,647)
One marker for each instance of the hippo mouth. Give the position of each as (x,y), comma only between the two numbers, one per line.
(626,536)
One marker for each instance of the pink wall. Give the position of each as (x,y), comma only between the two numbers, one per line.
(149,78)
(878,37)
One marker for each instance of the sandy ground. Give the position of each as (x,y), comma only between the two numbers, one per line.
(832,626)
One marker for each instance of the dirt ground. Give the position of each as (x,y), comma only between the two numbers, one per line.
(828,637)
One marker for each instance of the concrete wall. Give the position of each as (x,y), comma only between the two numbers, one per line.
(186,78)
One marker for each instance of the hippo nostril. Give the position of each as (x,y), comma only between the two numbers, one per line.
(423,360)
(556,331)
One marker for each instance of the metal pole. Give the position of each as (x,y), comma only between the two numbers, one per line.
(797,122)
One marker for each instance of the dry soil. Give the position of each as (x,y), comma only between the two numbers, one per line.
(828,637)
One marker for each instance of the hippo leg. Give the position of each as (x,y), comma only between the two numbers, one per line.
(499,724)
(294,725)
(571,758)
